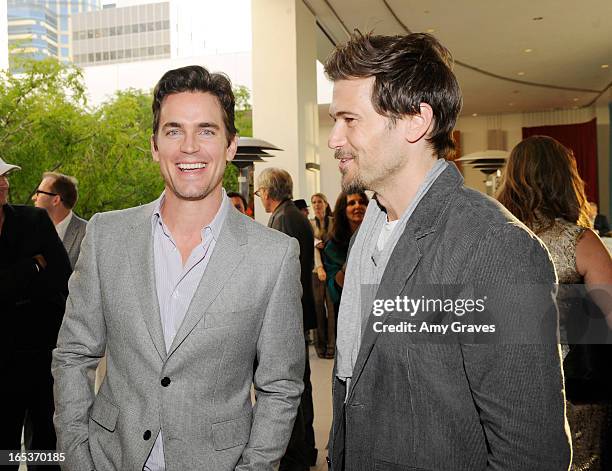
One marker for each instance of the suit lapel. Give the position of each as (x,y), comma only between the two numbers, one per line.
(70,235)
(140,249)
(406,255)
(228,252)
(401,266)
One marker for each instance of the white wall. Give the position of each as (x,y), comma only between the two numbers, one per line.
(102,81)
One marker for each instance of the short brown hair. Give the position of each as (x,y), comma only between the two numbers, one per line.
(65,186)
(195,78)
(408,70)
(541,183)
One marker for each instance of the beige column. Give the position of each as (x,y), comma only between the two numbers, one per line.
(285,109)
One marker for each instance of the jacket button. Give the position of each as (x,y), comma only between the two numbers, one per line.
(165,381)
(147,435)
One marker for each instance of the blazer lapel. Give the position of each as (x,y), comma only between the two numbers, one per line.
(70,235)
(229,251)
(142,266)
(406,255)
(401,266)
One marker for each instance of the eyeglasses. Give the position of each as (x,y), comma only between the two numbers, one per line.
(38,192)
(258,192)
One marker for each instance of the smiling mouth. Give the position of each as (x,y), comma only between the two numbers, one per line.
(184,167)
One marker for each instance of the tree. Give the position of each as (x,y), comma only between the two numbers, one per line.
(46,125)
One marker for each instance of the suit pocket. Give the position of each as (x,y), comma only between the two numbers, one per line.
(380,465)
(104,413)
(231,433)
(214,319)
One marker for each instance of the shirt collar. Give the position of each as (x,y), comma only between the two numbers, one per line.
(214,226)
(62,226)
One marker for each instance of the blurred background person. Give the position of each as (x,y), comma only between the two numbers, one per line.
(58,194)
(34,272)
(302,206)
(326,322)
(275,188)
(238,201)
(348,215)
(541,187)
(600,221)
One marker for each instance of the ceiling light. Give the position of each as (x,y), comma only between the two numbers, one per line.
(605,66)
(474,114)
(511,104)
(520,73)
(431,30)
(537,18)
(576,99)
(528,50)
(515,91)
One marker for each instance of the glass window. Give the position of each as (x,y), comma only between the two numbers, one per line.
(90,57)
(90,33)
(150,26)
(119,30)
(75,35)
(112,31)
(166,24)
(65,52)
(120,54)
(128,53)
(142,27)
(134,29)
(65,39)
(159,50)
(82,34)
(105,55)
(167,49)
(64,23)
(113,55)
(142,52)
(98,56)
(158,25)
(74,8)
(104,32)
(151,51)
(97,33)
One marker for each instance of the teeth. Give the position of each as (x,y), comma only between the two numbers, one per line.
(192,166)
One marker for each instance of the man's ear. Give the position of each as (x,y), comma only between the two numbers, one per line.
(417,126)
(232,148)
(154,150)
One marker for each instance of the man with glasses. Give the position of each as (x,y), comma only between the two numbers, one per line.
(58,193)
(34,272)
(275,188)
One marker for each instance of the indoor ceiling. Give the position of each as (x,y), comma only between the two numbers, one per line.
(510,56)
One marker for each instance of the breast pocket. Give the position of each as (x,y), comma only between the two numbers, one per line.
(216,319)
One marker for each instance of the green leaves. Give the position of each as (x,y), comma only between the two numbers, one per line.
(46,125)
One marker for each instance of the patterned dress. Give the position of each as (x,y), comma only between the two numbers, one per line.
(590,419)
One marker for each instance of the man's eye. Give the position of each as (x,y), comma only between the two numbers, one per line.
(207,132)
(172,132)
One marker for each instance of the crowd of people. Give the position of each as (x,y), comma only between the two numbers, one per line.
(194,305)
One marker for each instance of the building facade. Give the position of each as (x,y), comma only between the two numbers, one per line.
(115,35)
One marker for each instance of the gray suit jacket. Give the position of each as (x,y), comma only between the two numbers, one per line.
(421,404)
(73,238)
(245,312)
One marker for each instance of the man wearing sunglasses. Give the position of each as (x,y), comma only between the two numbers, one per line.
(58,193)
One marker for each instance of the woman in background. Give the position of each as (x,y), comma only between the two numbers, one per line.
(543,189)
(326,326)
(348,215)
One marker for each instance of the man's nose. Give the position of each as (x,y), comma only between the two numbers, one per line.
(337,138)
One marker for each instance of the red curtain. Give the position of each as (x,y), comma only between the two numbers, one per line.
(582,140)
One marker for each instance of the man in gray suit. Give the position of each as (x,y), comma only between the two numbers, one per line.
(162,288)
(58,194)
(405,398)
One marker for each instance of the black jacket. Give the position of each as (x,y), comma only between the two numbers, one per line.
(290,220)
(32,299)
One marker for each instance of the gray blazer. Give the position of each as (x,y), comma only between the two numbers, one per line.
(243,328)
(457,406)
(73,238)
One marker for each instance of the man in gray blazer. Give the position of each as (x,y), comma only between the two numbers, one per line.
(193,303)
(58,194)
(407,397)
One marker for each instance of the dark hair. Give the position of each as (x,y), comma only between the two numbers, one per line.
(340,231)
(408,70)
(234,194)
(195,78)
(541,183)
(65,186)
